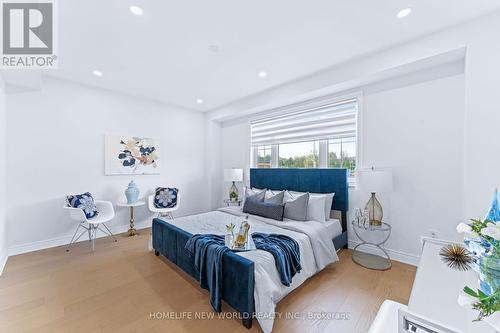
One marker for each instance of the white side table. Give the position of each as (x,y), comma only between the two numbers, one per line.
(132,231)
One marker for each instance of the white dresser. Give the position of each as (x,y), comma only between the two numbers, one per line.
(433,306)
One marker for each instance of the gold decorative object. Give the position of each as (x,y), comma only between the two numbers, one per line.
(375,211)
(456,257)
(233,175)
(242,236)
(374,181)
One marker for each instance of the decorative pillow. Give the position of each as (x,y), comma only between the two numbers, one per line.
(328,200)
(328,205)
(257,195)
(83,201)
(276,198)
(264,209)
(316,208)
(166,197)
(271,193)
(296,209)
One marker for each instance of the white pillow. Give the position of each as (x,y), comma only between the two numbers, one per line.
(249,192)
(288,196)
(270,193)
(328,201)
(316,208)
(328,205)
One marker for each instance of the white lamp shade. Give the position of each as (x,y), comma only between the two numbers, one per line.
(233,175)
(374,180)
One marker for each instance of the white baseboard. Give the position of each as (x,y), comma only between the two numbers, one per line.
(396,255)
(64,240)
(3,261)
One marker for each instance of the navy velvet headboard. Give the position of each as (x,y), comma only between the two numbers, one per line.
(306,180)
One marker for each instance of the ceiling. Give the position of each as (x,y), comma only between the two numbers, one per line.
(179,51)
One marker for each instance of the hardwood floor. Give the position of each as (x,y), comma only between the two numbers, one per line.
(121,285)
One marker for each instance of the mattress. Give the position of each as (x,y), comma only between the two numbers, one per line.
(334,227)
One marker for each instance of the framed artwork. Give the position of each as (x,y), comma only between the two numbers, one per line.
(131,155)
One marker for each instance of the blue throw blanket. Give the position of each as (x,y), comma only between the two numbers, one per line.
(286,253)
(209,249)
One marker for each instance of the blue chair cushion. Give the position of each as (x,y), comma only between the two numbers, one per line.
(166,197)
(83,201)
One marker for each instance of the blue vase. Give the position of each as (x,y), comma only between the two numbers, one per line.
(489,273)
(132,193)
(493,214)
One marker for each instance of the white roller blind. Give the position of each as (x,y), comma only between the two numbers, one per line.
(329,121)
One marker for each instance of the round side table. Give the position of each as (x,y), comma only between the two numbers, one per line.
(132,231)
(380,262)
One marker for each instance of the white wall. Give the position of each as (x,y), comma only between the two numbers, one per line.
(236,153)
(482,122)
(479,149)
(418,131)
(57,148)
(213,169)
(3,178)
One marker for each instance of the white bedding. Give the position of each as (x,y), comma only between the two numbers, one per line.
(334,227)
(314,239)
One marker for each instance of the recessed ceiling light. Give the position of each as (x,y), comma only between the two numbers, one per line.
(262,74)
(404,12)
(136,10)
(199,101)
(97,72)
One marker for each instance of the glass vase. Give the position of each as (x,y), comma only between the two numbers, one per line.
(489,272)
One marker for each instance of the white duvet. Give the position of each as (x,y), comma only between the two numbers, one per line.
(314,239)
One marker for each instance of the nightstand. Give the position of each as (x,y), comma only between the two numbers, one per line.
(232,203)
(380,262)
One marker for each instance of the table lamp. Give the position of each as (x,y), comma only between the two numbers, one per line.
(374,181)
(233,175)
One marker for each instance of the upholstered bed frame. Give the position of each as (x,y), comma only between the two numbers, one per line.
(238,272)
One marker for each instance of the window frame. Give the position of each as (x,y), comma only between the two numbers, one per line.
(323,144)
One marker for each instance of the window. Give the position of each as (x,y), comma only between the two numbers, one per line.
(342,154)
(299,155)
(263,156)
(314,134)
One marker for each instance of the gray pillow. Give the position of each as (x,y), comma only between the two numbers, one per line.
(296,209)
(264,209)
(276,199)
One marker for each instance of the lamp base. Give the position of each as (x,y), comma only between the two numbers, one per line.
(375,212)
(233,193)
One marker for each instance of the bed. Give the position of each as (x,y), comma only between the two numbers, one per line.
(250,280)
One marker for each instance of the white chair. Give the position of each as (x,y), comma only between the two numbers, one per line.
(163,212)
(106,214)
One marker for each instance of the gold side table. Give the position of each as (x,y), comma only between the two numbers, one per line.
(132,231)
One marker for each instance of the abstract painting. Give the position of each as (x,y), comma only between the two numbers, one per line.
(131,155)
